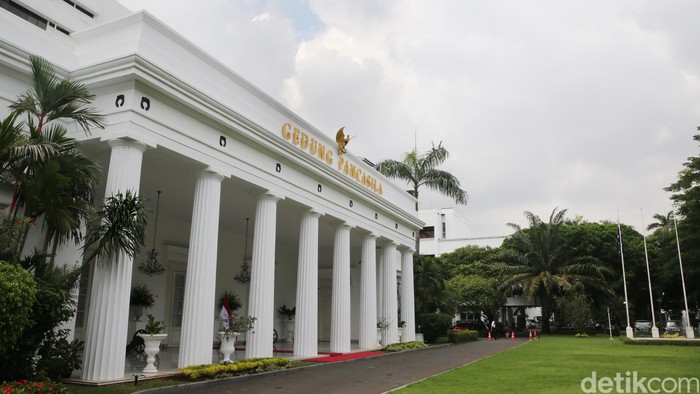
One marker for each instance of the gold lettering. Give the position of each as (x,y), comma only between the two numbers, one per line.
(286,134)
(346,168)
(304,141)
(329,157)
(380,189)
(358,175)
(341,161)
(296,136)
(353,170)
(314,147)
(321,151)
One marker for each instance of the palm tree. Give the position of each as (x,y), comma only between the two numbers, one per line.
(51,177)
(662,221)
(544,265)
(420,170)
(51,98)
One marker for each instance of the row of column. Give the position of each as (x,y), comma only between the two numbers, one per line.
(108,311)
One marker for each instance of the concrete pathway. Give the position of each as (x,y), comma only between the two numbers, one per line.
(367,375)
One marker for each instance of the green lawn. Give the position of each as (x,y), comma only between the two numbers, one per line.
(558,364)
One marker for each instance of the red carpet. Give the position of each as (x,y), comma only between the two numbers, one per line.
(343,357)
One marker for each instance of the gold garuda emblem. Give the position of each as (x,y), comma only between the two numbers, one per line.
(342,141)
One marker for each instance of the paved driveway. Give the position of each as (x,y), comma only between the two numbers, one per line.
(367,375)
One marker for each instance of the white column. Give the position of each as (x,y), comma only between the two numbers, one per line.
(306,318)
(389,295)
(198,313)
(340,301)
(262,278)
(408,310)
(108,316)
(368,293)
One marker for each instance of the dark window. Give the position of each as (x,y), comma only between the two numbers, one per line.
(427,232)
(23,13)
(79,8)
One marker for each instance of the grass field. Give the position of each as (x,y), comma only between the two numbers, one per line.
(558,364)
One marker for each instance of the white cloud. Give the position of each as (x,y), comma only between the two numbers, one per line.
(585,105)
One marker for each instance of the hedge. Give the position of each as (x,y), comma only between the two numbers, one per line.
(661,342)
(462,336)
(241,367)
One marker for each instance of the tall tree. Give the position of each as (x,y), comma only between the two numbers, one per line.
(686,196)
(662,221)
(543,264)
(52,98)
(421,170)
(52,179)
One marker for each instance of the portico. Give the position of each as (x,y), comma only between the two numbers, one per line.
(328,234)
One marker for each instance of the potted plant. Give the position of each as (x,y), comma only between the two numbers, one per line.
(289,322)
(152,338)
(234,301)
(229,328)
(141,297)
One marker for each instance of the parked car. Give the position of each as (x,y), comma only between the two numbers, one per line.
(642,326)
(672,327)
(531,324)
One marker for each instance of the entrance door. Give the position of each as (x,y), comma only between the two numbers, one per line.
(177,297)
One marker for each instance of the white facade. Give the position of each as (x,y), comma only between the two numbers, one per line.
(446,230)
(328,234)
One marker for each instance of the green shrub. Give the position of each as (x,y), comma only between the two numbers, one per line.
(399,347)
(17,292)
(242,367)
(660,342)
(434,325)
(462,336)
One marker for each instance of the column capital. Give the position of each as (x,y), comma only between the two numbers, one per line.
(405,249)
(268,195)
(127,142)
(212,173)
(344,225)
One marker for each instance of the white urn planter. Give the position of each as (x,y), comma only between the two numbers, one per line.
(228,345)
(152,347)
(289,330)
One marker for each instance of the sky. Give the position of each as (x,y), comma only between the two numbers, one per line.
(588,105)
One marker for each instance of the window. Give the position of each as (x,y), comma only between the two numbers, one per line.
(444,228)
(29,16)
(23,13)
(79,8)
(427,232)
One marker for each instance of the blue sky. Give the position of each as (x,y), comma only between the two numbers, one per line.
(585,105)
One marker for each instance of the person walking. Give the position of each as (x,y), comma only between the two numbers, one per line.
(494,332)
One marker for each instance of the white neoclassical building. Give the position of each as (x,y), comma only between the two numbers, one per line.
(243,181)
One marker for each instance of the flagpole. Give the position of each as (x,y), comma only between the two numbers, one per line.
(630,332)
(689,333)
(654,329)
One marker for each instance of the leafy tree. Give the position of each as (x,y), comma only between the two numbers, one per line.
(686,196)
(476,293)
(421,170)
(17,291)
(430,277)
(543,264)
(574,308)
(474,260)
(53,181)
